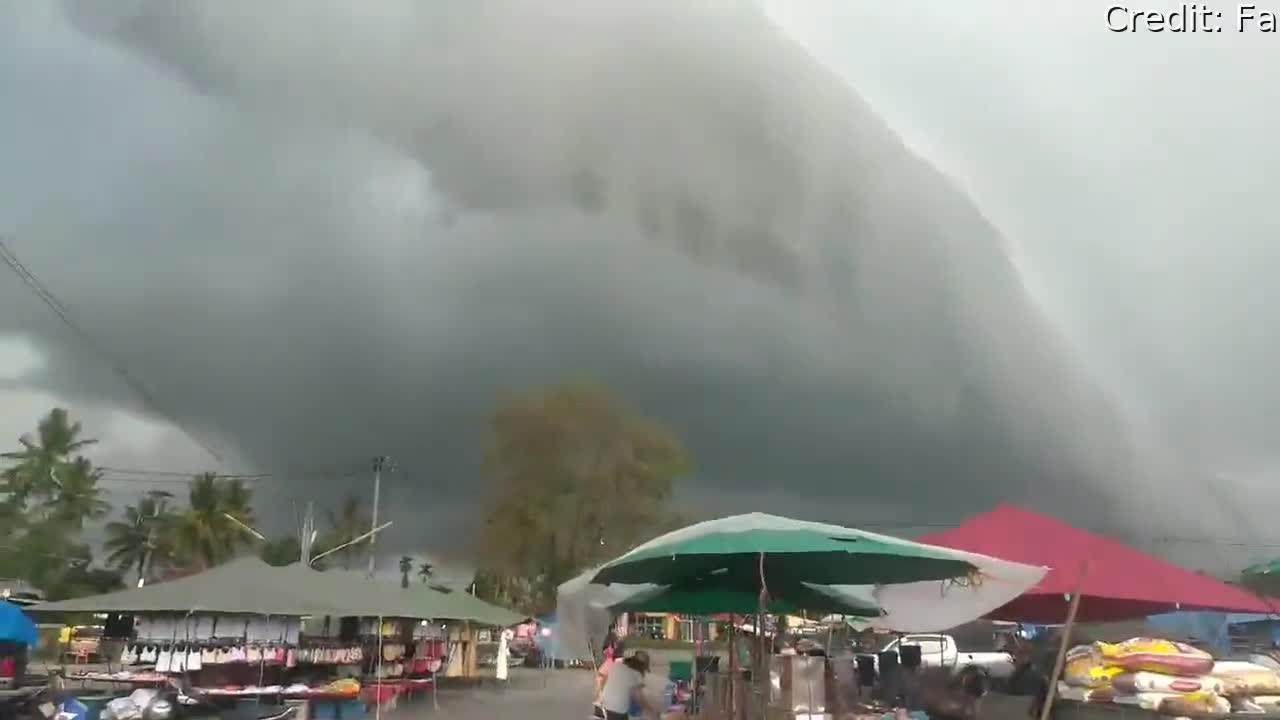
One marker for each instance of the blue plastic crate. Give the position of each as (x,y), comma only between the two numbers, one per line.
(324,710)
(351,710)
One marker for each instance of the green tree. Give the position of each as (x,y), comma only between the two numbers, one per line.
(281,551)
(49,492)
(211,530)
(75,496)
(34,467)
(142,540)
(426,571)
(350,522)
(80,579)
(575,476)
(406,567)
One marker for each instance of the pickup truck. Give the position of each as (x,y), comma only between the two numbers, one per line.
(941,651)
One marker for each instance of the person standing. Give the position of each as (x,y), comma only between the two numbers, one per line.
(503,649)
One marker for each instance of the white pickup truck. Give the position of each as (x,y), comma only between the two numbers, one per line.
(941,651)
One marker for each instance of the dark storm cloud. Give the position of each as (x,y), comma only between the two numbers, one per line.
(1133,173)
(326,235)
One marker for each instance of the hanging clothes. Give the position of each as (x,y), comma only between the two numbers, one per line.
(502,654)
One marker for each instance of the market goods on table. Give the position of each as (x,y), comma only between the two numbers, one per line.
(1194,704)
(1269,703)
(1139,682)
(1087,695)
(1084,667)
(1246,678)
(1167,677)
(1154,655)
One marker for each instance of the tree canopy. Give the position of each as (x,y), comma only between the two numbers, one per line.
(50,490)
(574,477)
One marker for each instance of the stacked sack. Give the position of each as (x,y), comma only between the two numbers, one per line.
(1250,687)
(1167,677)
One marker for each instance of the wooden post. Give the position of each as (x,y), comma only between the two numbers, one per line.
(731,696)
(1072,609)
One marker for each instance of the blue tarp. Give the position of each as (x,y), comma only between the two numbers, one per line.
(1211,628)
(15,625)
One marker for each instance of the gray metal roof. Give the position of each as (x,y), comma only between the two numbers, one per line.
(248,585)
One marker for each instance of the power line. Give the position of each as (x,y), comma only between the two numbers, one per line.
(46,296)
(185,475)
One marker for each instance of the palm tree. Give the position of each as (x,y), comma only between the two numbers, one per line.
(57,439)
(425,571)
(141,541)
(350,523)
(76,496)
(205,535)
(406,567)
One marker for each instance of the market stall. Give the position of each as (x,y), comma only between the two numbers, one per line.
(247,629)
(1097,579)
(757,564)
(1122,583)
(1164,677)
(18,636)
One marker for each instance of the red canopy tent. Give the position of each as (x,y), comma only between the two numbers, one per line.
(1121,583)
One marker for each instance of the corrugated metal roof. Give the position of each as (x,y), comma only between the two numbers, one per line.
(248,585)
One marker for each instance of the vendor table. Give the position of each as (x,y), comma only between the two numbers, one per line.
(1073,710)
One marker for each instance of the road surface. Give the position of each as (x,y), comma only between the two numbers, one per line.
(530,695)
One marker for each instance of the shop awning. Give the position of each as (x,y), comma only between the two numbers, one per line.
(245,585)
(248,585)
(1121,583)
(458,605)
(427,602)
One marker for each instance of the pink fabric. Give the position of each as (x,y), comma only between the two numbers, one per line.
(1121,583)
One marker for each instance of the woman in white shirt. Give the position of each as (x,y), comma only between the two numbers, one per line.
(624,689)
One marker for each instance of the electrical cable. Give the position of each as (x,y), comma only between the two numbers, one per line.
(60,309)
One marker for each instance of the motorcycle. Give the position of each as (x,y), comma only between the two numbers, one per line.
(33,702)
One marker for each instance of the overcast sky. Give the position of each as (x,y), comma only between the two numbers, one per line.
(318,235)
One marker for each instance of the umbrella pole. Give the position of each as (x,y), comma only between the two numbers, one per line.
(1072,609)
(732,694)
(762,682)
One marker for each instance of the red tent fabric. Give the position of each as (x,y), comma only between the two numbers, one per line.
(1122,583)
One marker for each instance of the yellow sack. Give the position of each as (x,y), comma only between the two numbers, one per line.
(345,686)
(1148,682)
(1245,678)
(1194,704)
(1085,668)
(1155,655)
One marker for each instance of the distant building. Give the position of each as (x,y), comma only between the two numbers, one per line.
(664,626)
(20,592)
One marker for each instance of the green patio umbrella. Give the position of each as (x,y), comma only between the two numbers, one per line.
(1271,567)
(739,552)
(711,601)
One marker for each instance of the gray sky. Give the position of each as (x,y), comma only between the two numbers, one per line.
(983,254)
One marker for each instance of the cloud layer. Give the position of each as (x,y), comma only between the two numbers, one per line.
(321,234)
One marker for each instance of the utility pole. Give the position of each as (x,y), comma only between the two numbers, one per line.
(379,464)
(308,535)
